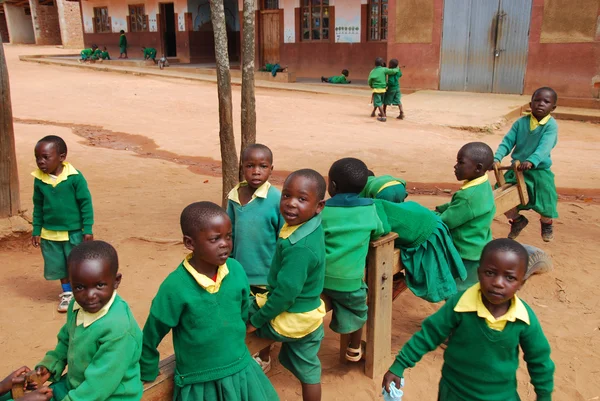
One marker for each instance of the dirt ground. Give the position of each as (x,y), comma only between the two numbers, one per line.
(111,121)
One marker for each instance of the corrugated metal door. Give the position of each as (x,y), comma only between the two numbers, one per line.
(480,62)
(455,44)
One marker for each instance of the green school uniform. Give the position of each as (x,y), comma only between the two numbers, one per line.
(123,43)
(338,79)
(149,53)
(385,187)
(392,93)
(86,54)
(377,82)
(104,55)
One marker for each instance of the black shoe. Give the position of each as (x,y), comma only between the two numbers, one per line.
(547,232)
(516,226)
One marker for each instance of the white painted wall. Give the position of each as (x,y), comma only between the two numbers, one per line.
(20,26)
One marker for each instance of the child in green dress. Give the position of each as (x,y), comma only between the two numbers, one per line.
(378,83)
(149,53)
(392,92)
(485,327)
(338,79)
(205,302)
(88,54)
(122,45)
(531,139)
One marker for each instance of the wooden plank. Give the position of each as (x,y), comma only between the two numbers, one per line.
(383,240)
(506,199)
(161,389)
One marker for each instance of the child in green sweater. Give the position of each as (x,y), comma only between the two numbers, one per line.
(104,54)
(149,53)
(485,326)
(392,93)
(122,45)
(101,342)
(349,223)
(338,79)
(205,302)
(377,82)
(62,211)
(253,207)
(88,54)
(531,139)
(470,213)
(292,311)
(18,376)
(384,187)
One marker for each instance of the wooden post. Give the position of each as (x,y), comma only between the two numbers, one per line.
(248,99)
(9,179)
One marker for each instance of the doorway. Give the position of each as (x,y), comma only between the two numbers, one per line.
(168,29)
(484,45)
(270,32)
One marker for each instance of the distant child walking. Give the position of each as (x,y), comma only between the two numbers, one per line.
(62,211)
(205,302)
(253,207)
(338,79)
(101,342)
(470,213)
(122,45)
(392,92)
(377,82)
(485,327)
(531,139)
(292,312)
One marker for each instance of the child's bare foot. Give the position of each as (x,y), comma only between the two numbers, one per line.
(401,116)
(373,114)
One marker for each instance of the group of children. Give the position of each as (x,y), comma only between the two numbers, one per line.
(93,53)
(263,265)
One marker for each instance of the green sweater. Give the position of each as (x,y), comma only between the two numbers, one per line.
(532,146)
(209,330)
(374,184)
(338,79)
(103,358)
(122,40)
(377,77)
(349,223)
(149,52)
(412,222)
(65,207)
(393,82)
(469,217)
(87,52)
(480,364)
(255,228)
(296,275)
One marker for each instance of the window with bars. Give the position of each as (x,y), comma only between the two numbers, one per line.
(270,4)
(101,20)
(138,20)
(315,20)
(378,19)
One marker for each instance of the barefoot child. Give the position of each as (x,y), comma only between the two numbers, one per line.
(292,311)
(470,213)
(338,79)
(392,93)
(205,302)
(122,45)
(101,342)
(41,394)
(485,326)
(253,207)
(531,139)
(377,82)
(384,187)
(349,223)
(62,211)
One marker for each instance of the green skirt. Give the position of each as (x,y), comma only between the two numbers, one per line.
(249,384)
(541,190)
(445,393)
(433,266)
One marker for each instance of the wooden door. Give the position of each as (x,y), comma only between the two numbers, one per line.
(270,36)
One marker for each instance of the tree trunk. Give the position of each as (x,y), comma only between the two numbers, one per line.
(229,159)
(248,99)
(9,178)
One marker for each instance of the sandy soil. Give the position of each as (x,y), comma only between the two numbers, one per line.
(138,200)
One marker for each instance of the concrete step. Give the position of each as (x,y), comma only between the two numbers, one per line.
(574,114)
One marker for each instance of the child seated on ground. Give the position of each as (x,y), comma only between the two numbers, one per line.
(104,54)
(392,93)
(205,302)
(384,187)
(470,213)
(149,53)
(253,207)
(88,54)
(377,82)
(349,223)
(292,311)
(485,326)
(338,79)
(531,139)
(18,376)
(62,211)
(101,342)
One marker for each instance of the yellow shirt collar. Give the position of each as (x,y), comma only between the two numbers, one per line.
(476,181)
(261,192)
(286,230)
(87,318)
(68,170)
(204,281)
(534,123)
(471,301)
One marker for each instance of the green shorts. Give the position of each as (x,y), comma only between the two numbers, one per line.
(378,99)
(392,97)
(55,254)
(349,309)
(298,355)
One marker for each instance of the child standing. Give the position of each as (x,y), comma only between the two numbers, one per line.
(384,187)
(292,311)
(253,207)
(377,82)
(338,79)
(349,223)
(101,342)
(485,326)
(123,45)
(531,139)
(205,302)
(62,211)
(470,213)
(392,93)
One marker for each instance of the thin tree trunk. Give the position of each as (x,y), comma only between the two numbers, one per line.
(248,99)
(9,178)
(228,152)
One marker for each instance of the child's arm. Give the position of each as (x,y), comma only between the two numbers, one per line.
(547,143)
(385,225)
(245,297)
(391,71)
(507,144)
(38,213)
(536,352)
(6,384)
(457,212)
(231,214)
(84,199)
(55,361)
(379,230)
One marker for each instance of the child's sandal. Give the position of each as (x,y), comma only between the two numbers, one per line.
(382,119)
(354,354)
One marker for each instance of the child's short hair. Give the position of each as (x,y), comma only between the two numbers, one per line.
(393,63)
(350,175)
(371,173)
(92,250)
(479,152)
(313,176)
(379,62)
(257,146)
(104,48)
(544,89)
(57,141)
(197,215)
(345,73)
(122,31)
(94,46)
(507,245)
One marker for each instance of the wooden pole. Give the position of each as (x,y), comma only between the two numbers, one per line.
(9,177)
(248,98)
